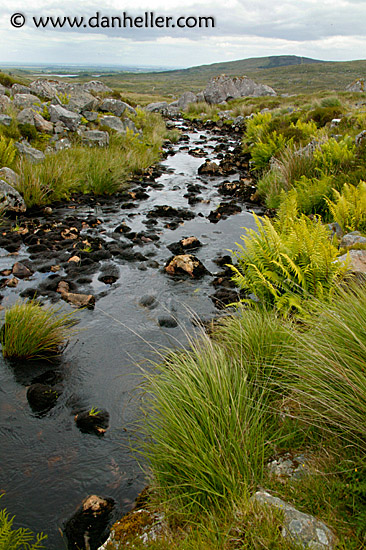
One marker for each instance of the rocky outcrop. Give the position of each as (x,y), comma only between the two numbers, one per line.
(4,102)
(2,89)
(114,106)
(60,114)
(224,88)
(20,89)
(357,86)
(301,528)
(22,101)
(183,102)
(32,154)
(158,107)
(79,100)
(95,138)
(10,199)
(117,124)
(96,87)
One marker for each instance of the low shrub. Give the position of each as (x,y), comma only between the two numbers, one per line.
(32,331)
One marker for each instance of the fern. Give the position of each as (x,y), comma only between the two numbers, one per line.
(14,539)
(349,207)
(7,152)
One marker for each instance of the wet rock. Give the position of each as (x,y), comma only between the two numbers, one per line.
(187,243)
(109,274)
(87,528)
(42,397)
(12,283)
(170,212)
(21,271)
(224,297)
(148,301)
(78,300)
(33,155)
(302,528)
(10,199)
(186,264)
(93,421)
(167,321)
(223,212)
(209,168)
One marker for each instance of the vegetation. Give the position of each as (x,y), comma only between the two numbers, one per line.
(18,539)
(33,331)
(7,152)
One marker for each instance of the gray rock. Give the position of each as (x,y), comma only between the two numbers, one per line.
(357,259)
(360,138)
(22,101)
(60,114)
(114,106)
(78,101)
(4,102)
(117,124)
(2,89)
(11,177)
(5,120)
(158,107)
(97,87)
(336,229)
(62,144)
(59,128)
(20,89)
(10,199)
(224,88)
(350,239)
(200,97)
(183,102)
(95,138)
(33,155)
(301,528)
(44,88)
(91,116)
(26,116)
(357,86)
(42,125)
(289,466)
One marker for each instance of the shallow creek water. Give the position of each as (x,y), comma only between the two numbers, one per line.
(47,466)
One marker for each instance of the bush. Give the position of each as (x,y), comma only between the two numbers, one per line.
(32,331)
(335,156)
(324,115)
(263,151)
(288,262)
(349,207)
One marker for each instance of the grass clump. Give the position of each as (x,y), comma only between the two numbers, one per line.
(32,331)
(18,539)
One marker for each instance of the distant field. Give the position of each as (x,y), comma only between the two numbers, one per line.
(286,74)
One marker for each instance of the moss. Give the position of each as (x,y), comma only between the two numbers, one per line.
(132,525)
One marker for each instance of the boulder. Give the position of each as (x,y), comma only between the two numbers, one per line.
(42,125)
(350,239)
(357,262)
(11,177)
(94,138)
(209,168)
(114,106)
(87,529)
(97,87)
(5,120)
(22,101)
(223,88)
(185,264)
(21,271)
(299,527)
(32,154)
(79,100)
(2,89)
(20,89)
(183,102)
(26,116)
(158,107)
(10,199)
(357,86)
(91,116)
(44,88)
(4,102)
(60,114)
(62,144)
(115,123)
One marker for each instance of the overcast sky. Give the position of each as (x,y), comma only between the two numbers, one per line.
(322,29)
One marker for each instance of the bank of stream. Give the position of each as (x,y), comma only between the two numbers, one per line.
(47,465)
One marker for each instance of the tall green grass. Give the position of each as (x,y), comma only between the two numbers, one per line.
(33,331)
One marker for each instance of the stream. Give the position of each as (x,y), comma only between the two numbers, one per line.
(47,466)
